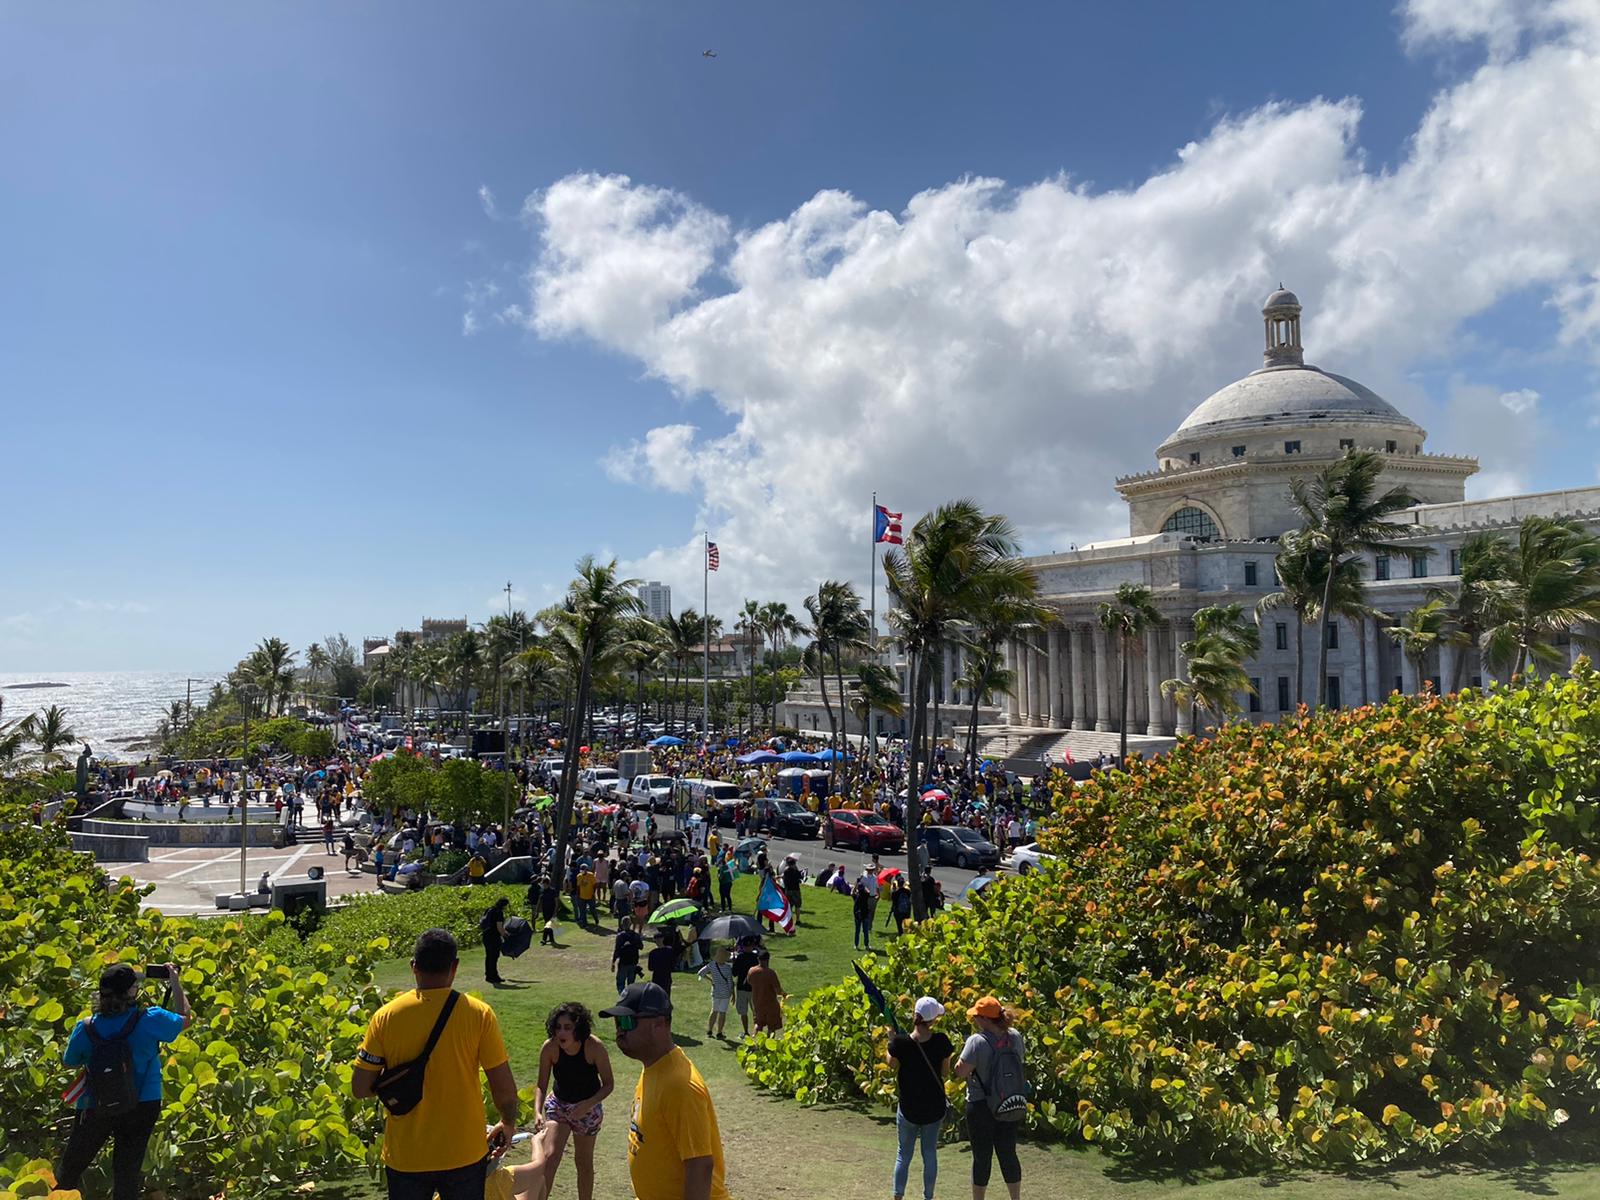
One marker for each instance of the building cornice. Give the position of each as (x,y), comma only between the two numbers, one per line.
(1160,480)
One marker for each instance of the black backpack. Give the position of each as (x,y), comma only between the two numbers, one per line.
(109,1077)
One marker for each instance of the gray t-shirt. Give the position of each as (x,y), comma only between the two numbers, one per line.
(979,1051)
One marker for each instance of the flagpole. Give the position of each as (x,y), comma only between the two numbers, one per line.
(872,613)
(705,635)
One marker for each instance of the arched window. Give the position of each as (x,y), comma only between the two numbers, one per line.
(1192,521)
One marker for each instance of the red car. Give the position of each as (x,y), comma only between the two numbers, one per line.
(866,831)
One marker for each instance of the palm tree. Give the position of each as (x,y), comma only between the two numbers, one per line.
(1551,585)
(593,622)
(749,624)
(1301,580)
(683,636)
(646,646)
(270,662)
(1224,640)
(984,676)
(1344,515)
(1126,618)
(317,661)
(51,732)
(839,626)
(1422,629)
(874,689)
(463,656)
(14,734)
(956,560)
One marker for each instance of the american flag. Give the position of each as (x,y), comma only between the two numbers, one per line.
(713,559)
(888,527)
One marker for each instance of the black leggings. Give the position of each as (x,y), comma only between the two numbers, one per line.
(991,1139)
(131,1134)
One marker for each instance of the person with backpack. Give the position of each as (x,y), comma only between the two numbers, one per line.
(997,1095)
(119,1049)
(861,905)
(923,1058)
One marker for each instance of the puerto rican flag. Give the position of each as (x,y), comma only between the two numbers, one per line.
(774,905)
(888,527)
(76,1091)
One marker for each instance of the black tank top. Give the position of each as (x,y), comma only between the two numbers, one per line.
(576,1078)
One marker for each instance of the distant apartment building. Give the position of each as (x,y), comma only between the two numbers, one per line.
(373,648)
(657,600)
(442,629)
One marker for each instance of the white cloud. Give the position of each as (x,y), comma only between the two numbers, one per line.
(1023,345)
(486,198)
(130,607)
(1523,400)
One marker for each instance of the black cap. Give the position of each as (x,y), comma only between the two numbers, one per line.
(118,978)
(644,999)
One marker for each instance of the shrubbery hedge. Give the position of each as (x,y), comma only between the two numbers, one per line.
(1351,937)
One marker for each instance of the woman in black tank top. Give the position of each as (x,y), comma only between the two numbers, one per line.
(576,1062)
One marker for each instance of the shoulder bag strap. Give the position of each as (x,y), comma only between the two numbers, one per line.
(438,1026)
(931,1069)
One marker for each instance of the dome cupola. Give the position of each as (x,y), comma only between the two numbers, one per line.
(1281,314)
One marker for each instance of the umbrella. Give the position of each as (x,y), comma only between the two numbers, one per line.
(732,742)
(887,874)
(978,884)
(987,764)
(830,754)
(384,755)
(800,756)
(674,911)
(163,774)
(542,801)
(606,810)
(936,794)
(519,936)
(758,758)
(666,739)
(730,927)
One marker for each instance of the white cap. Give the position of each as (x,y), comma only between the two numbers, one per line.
(929,1009)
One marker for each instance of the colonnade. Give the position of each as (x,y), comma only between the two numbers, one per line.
(1069,676)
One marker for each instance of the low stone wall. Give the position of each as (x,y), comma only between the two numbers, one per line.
(184,833)
(112,847)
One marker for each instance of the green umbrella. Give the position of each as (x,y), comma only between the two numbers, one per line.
(674,911)
(543,801)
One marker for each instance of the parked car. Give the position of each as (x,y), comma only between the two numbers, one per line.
(651,791)
(866,831)
(597,782)
(785,818)
(1030,858)
(956,845)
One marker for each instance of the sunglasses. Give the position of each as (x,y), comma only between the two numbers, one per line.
(626,1024)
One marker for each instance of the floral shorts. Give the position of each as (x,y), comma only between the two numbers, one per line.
(561,1113)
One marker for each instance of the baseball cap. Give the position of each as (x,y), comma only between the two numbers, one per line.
(118,978)
(989,1007)
(643,999)
(929,1009)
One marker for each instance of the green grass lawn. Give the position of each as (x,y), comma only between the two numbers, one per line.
(776,1148)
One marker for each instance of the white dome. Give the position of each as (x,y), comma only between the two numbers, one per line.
(1287,395)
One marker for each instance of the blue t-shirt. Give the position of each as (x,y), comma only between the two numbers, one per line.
(155,1027)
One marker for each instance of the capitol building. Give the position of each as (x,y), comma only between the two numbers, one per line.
(1203,529)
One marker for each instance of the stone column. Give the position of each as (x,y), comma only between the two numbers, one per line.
(1053,677)
(1182,631)
(1009,700)
(1082,679)
(1104,707)
(1155,726)
(1447,667)
(1037,707)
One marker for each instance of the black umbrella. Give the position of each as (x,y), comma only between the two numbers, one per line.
(518,937)
(729,927)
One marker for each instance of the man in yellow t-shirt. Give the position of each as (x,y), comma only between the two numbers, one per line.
(585,884)
(674,1145)
(439,1146)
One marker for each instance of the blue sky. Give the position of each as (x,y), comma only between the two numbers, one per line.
(273,364)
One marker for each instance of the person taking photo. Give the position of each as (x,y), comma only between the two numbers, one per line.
(119,1090)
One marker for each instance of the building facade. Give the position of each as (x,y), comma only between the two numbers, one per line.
(657,600)
(1204,529)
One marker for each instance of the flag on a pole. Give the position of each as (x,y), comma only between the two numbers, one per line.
(888,529)
(774,905)
(713,559)
(76,1091)
(876,997)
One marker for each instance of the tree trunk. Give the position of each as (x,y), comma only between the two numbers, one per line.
(1299,660)
(838,678)
(1361,631)
(1322,631)
(569,777)
(913,814)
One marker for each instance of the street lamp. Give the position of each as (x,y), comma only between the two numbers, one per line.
(245,691)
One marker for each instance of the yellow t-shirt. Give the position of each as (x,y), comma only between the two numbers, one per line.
(673,1121)
(712,842)
(446,1128)
(586,885)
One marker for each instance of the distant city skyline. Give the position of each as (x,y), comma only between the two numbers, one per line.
(323,317)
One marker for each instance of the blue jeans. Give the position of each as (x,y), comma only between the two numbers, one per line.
(864,932)
(909,1135)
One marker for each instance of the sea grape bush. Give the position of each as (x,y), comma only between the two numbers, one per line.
(257,1090)
(1351,937)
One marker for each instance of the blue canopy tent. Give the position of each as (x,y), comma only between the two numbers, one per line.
(666,739)
(800,758)
(830,754)
(758,758)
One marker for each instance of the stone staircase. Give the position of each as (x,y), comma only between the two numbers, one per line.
(1029,745)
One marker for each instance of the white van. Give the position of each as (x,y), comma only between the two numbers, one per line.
(710,798)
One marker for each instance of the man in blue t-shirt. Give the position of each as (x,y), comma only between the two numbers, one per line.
(129,1130)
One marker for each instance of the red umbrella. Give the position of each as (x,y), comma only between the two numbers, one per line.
(887,874)
(936,794)
(583,749)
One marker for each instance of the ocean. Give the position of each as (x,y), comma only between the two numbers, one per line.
(106,705)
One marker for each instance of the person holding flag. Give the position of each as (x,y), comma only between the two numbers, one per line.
(773,905)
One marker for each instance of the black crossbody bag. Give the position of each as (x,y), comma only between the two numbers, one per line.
(399,1088)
